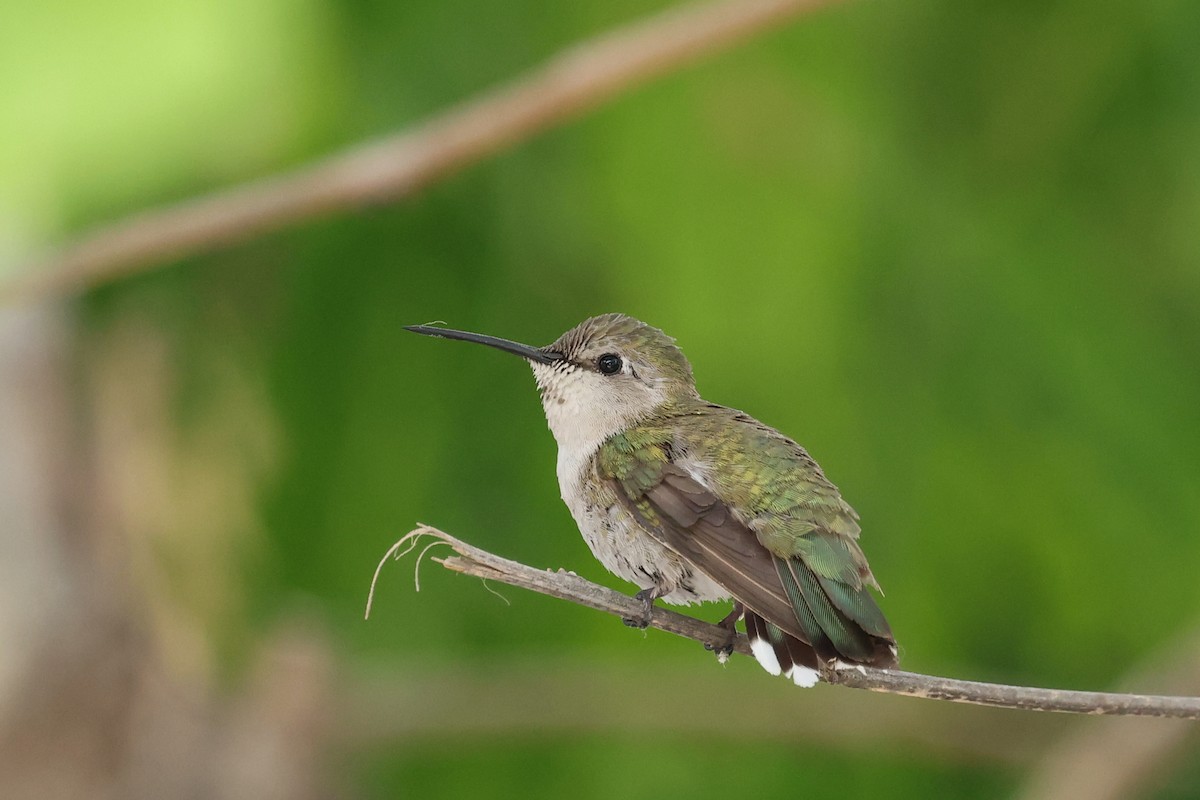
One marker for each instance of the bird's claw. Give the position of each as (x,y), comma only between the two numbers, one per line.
(724,649)
(647,597)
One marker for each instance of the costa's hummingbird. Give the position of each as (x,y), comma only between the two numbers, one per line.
(693,501)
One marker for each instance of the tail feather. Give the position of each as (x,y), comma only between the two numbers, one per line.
(858,605)
(780,653)
(806,614)
(829,631)
(839,622)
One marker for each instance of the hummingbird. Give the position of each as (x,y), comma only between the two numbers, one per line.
(694,502)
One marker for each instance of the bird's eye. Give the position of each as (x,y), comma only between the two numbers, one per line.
(609,363)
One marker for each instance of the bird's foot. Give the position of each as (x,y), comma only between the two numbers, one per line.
(724,647)
(647,597)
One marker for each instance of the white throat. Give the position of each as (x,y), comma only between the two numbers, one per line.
(582,412)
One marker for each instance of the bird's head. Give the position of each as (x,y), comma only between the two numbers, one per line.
(600,377)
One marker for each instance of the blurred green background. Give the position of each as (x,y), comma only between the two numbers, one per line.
(953,249)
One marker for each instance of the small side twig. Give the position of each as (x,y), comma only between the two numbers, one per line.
(470,560)
(403,546)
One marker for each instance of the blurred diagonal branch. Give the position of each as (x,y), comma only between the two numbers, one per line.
(573,82)
(471,560)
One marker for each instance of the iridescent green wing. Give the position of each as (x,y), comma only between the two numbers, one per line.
(690,520)
(789,553)
(800,518)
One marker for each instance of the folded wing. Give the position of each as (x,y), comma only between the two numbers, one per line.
(807,584)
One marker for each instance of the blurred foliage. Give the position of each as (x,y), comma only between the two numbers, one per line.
(953,249)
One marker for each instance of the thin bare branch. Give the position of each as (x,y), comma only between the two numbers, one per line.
(471,560)
(573,82)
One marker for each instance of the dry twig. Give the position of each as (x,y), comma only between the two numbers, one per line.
(568,586)
(575,81)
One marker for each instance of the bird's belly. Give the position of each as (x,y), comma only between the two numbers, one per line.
(627,550)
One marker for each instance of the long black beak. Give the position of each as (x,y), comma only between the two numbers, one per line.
(534,354)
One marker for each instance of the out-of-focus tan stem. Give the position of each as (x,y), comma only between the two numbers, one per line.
(573,82)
